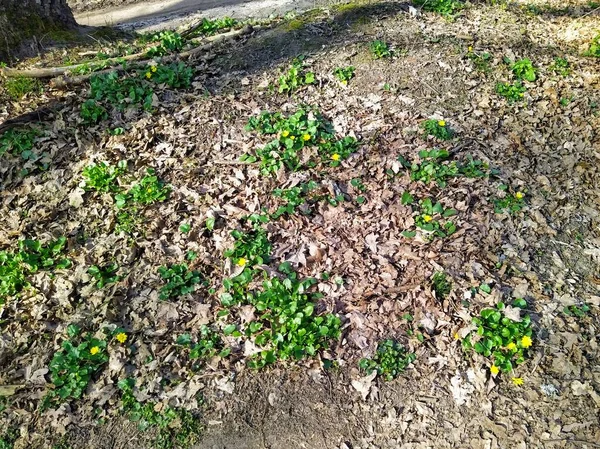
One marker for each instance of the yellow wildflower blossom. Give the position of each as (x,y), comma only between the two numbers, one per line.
(241,262)
(526,341)
(519,195)
(517,381)
(442,123)
(427,218)
(285,133)
(511,346)
(494,370)
(470,49)
(94,350)
(293,137)
(148,75)
(335,157)
(154,68)
(121,337)
(306,137)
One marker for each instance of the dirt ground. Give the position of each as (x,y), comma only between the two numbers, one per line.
(546,145)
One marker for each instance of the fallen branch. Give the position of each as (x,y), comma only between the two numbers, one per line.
(62,81)
(51,72)
(33,116)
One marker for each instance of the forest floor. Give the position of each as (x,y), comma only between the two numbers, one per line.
(405,254)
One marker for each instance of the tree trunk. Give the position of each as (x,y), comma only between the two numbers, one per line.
(24,22)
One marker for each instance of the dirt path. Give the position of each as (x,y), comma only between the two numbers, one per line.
(171,13)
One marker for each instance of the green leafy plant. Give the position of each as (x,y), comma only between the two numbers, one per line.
(79,358)
(8,438)
(294,198)
(287,324)
(92,112)
(344,74)
(208,345)
(561,66)
(295,77)
(577,310)
(441,285)
(121,91)
(19,86)
(103,177)
(302,129)
(209,27)
(177,427)
(431,218)
(447,8)
(512,92)
(12,275)
(511,203)
(18,141)
(167,42)
(594,48)
(104,275)
(380,49)
(433,167)
(481,61)
(147,190)
(503,339)
(176,75)
(438,129)
(390,360)
(523,69)
(250,248)
(179,281)
(43,257)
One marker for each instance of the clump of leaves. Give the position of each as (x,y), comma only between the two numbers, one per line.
(19,86)
(180,280)
(167,42)
(344,74)
(512,92)
(103,177)
(93,112)
(12,275)
(177,427)
(503,338)
(176,75)
(390,360)
(288,325)
(481,61)
(438,129)
(80,357)
(447,8)
(511,203)
(147,190)
(18,141)
(294,197)
(523,69)
(295,77)
(208,27)
(43,257)
(104,274)
(577,310)
(250,248)
(380,49)
(594,49)
(433,167)
(121,91)
(8,438)
(441,285)
(208,345)
(431,218)
(302,129)
(561,66)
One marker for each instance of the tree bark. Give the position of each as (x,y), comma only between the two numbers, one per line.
(23,22)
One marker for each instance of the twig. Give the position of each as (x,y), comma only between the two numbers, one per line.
(226,162)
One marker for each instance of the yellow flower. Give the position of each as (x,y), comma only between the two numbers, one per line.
(293,137)
(148,75)
(335,157)
(494,370)
(121,337)
(345,83)
(511,346)
(154,69)
(285,133)
(241,262)
(427,218)
(442,123)
(95,350)
(456,336)
(526,341)
(519,195)
(306,137)
(470,49)
(517,381)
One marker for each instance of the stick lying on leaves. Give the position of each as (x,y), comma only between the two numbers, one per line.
(50,72)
